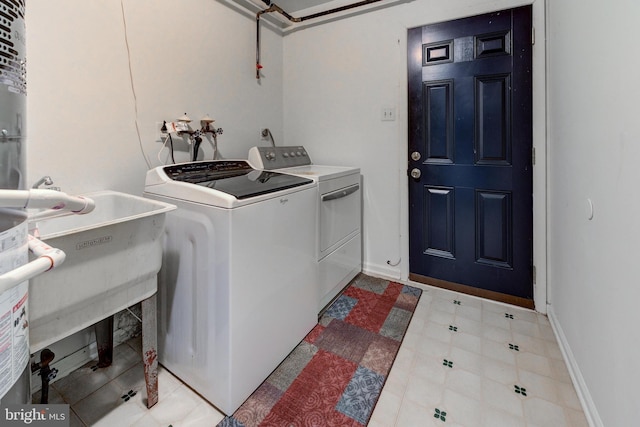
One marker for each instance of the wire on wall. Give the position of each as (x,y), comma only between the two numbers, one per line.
(133,89)
(167,139)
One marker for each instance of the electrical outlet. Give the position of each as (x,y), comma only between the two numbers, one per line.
(388,114)
(159,134)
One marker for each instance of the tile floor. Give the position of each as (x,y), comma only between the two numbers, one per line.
(464,362)
(471,362)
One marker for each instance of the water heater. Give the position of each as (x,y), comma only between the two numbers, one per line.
(14,332)
(13,94)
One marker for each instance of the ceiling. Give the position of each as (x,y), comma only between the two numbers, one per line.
(309,8)
(292,6)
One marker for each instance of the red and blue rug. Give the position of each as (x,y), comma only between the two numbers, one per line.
(335,375)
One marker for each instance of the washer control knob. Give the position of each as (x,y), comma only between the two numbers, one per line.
(286,154)
(292,154)
(270,155)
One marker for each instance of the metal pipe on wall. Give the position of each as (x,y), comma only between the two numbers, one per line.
(337,9)
(275,8)
(270,9)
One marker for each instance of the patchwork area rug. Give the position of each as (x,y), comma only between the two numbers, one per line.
(335,375)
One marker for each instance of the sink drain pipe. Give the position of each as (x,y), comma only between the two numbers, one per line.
(46,373)
(275,8)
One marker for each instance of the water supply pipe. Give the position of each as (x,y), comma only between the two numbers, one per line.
(46,180)
(54,202)
(48,257)
(45,199)
(275,8)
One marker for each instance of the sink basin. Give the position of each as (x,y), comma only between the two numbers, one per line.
(113,257)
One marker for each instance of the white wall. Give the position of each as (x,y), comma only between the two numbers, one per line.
(339,76)
(194,56)
(594,146)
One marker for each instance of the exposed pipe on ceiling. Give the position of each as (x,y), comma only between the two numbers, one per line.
(275,8)
(337,9)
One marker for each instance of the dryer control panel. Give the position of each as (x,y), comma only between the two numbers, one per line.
(278,157)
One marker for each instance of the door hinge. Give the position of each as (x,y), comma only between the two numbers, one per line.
(533,273)
(533,156)
(533,36)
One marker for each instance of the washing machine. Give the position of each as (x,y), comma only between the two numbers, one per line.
(338,211)
(236,292)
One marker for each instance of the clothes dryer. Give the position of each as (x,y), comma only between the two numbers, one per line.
(339,214)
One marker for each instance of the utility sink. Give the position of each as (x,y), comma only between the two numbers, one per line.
(113,257)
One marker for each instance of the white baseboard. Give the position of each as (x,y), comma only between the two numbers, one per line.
(589,407)
(383,271)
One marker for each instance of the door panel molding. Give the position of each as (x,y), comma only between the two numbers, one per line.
(493,123)
(493,44)
(438,101)
(437,53)
(494,223)
(439,234)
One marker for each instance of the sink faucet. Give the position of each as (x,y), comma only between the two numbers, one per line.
(46,180)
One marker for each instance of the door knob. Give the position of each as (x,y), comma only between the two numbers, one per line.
(415,173)
(415,156)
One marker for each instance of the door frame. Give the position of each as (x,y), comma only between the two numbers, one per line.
(539,139)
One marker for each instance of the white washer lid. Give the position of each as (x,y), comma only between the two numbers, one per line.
(321,172)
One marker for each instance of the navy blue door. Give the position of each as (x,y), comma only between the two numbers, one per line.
(470,146)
